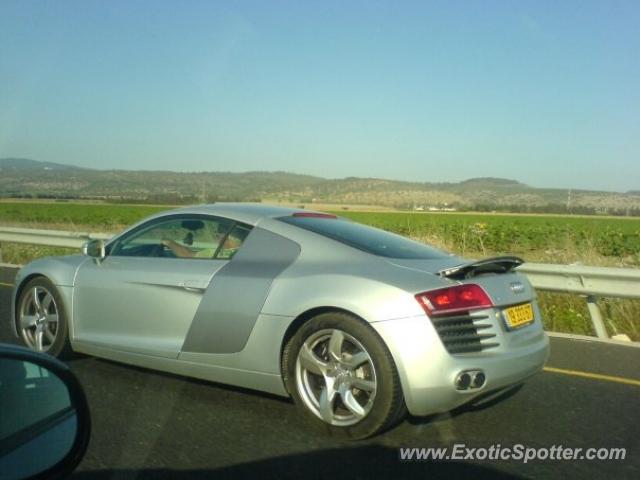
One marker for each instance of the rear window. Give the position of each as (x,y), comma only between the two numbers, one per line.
(371,240)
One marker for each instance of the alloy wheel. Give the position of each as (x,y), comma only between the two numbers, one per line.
(336,377)
(38,319)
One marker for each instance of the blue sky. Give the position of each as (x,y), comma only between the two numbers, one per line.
(545,92)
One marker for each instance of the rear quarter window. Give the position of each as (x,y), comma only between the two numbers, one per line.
(369,239)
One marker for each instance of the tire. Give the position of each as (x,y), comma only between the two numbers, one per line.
(342,377)
(43,325)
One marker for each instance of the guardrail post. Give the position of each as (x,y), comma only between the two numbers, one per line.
(596,317)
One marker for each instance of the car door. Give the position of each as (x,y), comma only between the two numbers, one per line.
(143,296)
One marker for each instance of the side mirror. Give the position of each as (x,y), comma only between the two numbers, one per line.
(45,423)
(95,249)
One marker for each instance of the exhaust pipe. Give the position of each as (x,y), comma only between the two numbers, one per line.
(463,381)
(470,380)
(478,380)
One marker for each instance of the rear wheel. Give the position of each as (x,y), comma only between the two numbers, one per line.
(41,319)
(342,377)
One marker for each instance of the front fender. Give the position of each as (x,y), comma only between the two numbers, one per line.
(61,271)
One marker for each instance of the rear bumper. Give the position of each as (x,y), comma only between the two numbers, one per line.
(427,371)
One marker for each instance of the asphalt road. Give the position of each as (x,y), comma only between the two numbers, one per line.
(152,425)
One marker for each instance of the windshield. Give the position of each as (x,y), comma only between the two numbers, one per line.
(371,240)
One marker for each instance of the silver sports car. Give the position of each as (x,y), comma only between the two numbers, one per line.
(356,324)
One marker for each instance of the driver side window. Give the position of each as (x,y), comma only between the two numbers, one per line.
(181,237)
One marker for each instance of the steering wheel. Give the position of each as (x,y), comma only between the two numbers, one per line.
(161,250)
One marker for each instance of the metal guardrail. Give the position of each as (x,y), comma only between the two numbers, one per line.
(50,238)
(590,282)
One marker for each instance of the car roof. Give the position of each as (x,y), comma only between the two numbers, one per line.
(250,213)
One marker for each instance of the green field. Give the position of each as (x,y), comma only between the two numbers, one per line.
(462,233)
(581,237)
(99,215)
(522,234)
(541,238)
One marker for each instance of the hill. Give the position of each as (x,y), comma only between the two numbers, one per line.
(26,164)
(30,178)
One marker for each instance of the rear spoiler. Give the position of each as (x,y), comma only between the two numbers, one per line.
(488,265)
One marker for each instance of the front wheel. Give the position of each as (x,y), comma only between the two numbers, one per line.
(41,320)
(343,378)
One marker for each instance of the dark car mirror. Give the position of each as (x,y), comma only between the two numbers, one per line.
(95,249)
(44,417)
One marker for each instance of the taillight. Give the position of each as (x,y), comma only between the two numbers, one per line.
(454,299)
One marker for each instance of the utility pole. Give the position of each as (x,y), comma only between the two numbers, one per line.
(569,201)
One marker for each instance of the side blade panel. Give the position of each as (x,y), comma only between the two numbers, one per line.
(231,305)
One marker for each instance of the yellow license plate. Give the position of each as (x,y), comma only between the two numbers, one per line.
(519,315)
